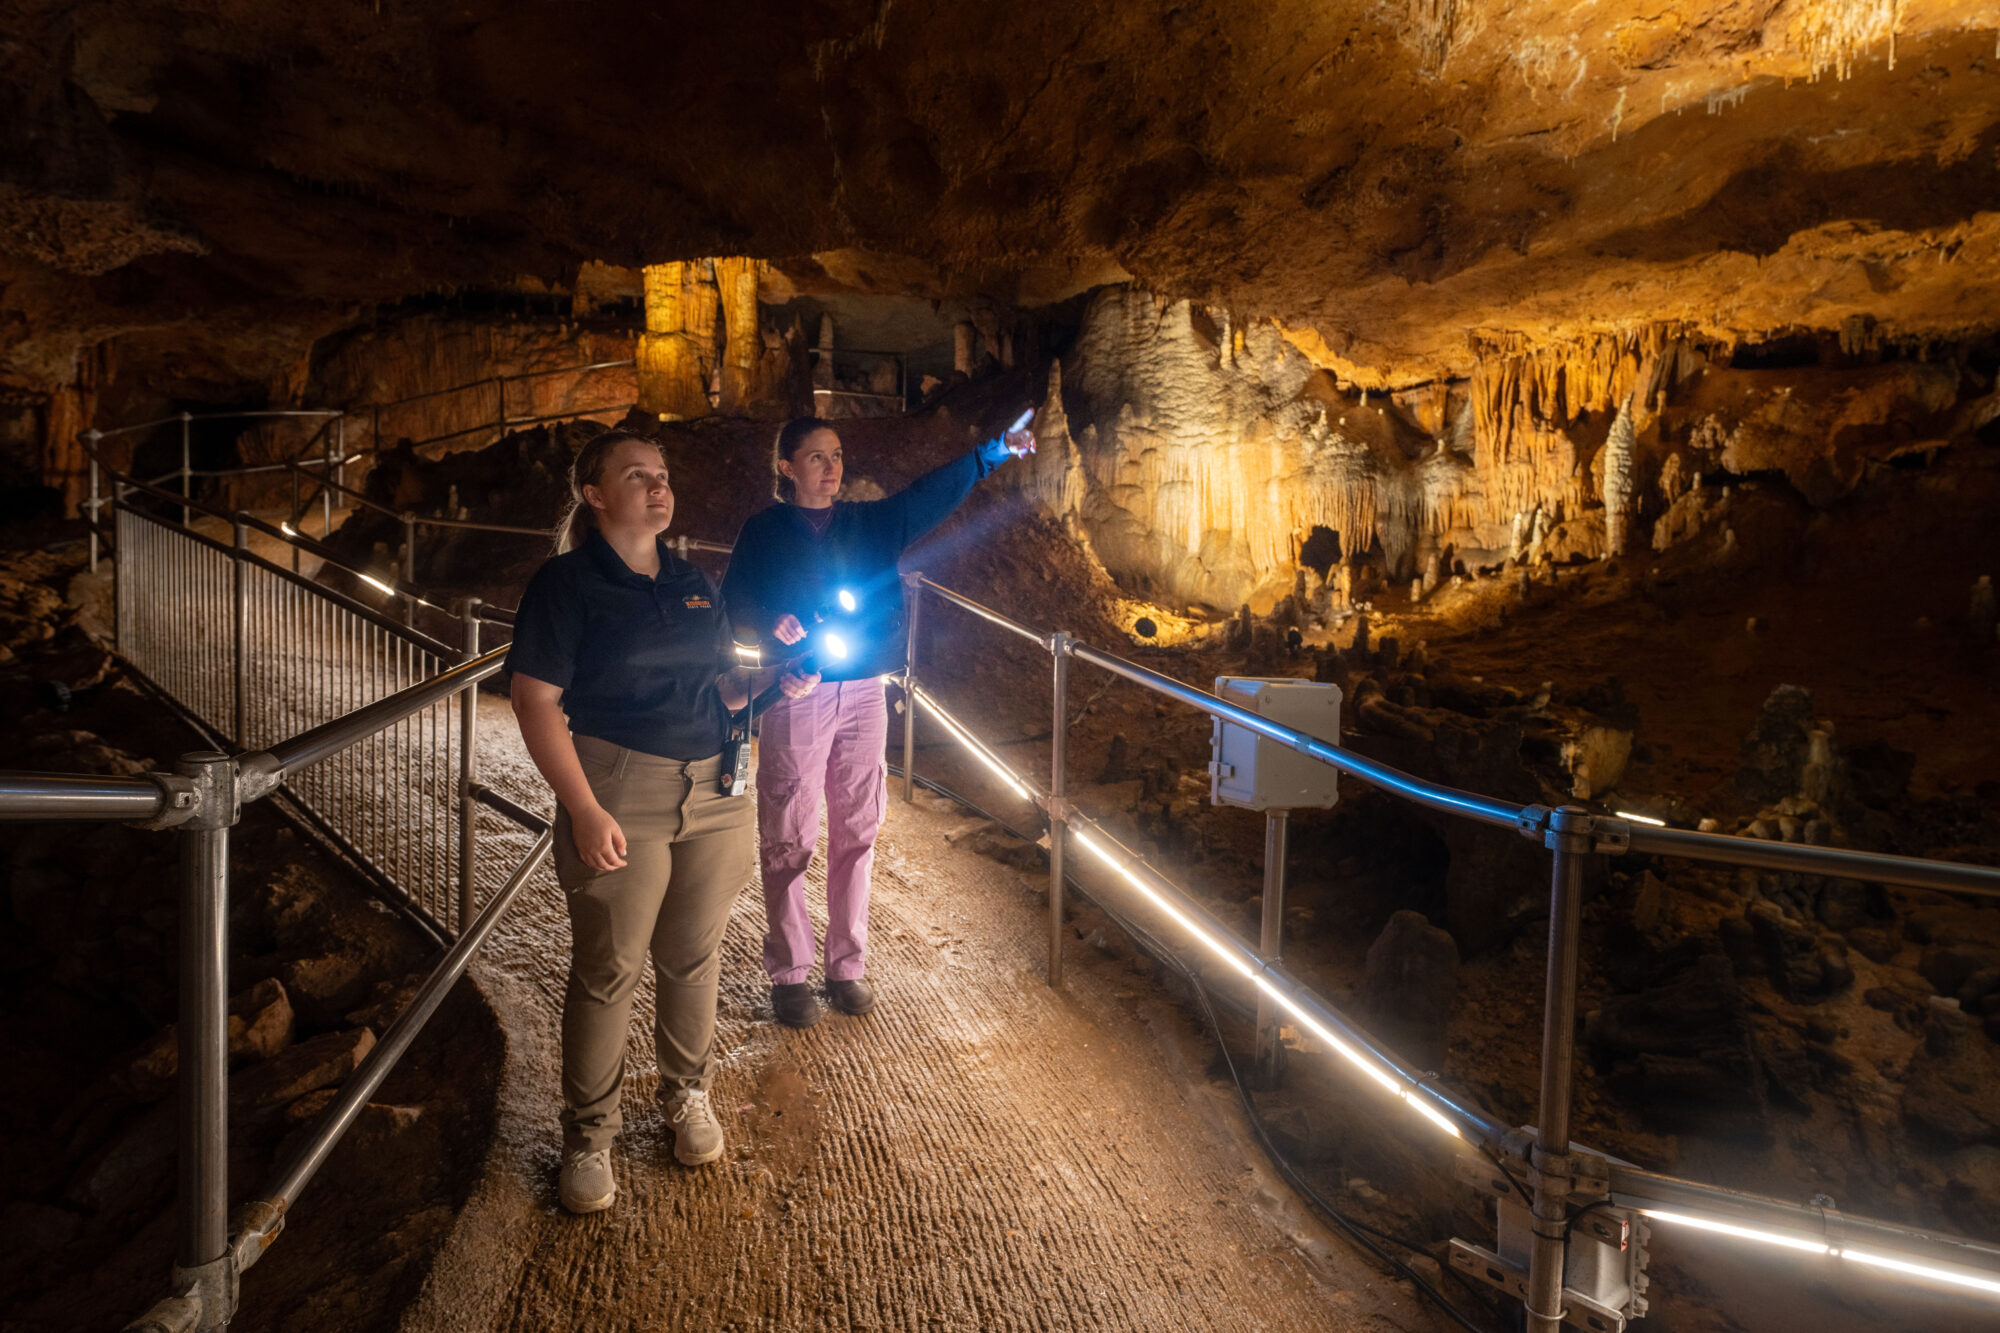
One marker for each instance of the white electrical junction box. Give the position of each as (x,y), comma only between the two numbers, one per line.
(1249,770)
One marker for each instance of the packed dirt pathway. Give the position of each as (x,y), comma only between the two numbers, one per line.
(981,1152)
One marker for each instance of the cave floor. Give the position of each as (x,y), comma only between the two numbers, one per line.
(980,1152)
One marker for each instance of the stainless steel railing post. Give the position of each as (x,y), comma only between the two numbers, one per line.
(1569,838)
(1058,816)
(92,437)
(120,571)
(240,623)
(337,440)
(913,588)
(187,466)
(409,568)
(468,754)
(202,1245)
(1271,938)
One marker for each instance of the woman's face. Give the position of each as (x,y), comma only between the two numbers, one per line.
(631,491)
(815,469)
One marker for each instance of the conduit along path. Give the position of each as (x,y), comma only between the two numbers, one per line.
(981,1152)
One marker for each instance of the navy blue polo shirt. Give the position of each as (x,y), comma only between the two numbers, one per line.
(636,658)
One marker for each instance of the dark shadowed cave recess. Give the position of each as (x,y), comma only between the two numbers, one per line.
(1608,408)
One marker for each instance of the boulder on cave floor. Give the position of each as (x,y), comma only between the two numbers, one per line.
(1411,984)
(1949,1095)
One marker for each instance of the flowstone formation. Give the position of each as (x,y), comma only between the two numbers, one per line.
(1198,454)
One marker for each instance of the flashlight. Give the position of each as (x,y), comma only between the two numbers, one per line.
(846,600)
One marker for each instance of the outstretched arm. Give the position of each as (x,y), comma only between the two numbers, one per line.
(929,500)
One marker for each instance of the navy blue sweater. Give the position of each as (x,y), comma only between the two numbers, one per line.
(781,566)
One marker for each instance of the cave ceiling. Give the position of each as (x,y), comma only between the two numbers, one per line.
(1398,183)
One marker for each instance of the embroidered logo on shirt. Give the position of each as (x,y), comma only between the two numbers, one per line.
(696,603)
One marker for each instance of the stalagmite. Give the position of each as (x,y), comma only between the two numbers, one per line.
(964,347)
(1980,618)
(823,364)
(1619,488)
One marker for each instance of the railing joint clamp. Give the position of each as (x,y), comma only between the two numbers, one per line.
(180,801)
(1572,830)
(1532,820)
(1612,836)
(257,776)
(258,1223)
(214,1285)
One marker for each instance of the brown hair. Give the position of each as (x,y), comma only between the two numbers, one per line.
(580,521)
(790,436)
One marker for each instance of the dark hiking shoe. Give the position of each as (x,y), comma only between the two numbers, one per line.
(854,997)
(796,1005)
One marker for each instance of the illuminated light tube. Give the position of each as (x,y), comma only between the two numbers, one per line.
(1348,1051)
(1642,819)
(377,584)
(1957,1278)
(1777,1238)
(751,655)
(964,738)
(1354,1055)
(288,529)
(1222,951)
(1954,1276)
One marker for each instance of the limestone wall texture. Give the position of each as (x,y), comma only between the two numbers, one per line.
(1197,455)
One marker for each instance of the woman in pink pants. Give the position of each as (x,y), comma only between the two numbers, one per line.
(812,575)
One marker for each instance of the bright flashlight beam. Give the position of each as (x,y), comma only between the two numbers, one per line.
(377,584)
(1952,1276)
(847,602)
(964,737)
(836,646)
(1642,819)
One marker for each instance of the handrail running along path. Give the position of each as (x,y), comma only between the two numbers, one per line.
(383,768)
(1571,1185)
(209,784)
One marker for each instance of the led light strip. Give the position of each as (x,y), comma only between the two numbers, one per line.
(1954,1277)
(1390,1079)
(1393,1080)
(964,737)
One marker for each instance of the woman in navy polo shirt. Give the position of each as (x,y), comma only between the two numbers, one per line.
(803,572)
(623,675)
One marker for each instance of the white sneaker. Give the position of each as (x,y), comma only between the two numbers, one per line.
(697,1133)
(586,1185)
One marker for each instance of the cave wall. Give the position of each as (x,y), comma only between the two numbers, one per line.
(213,187)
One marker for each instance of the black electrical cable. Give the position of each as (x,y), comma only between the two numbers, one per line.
(1359,1232)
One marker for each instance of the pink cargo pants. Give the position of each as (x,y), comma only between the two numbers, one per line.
(827,744)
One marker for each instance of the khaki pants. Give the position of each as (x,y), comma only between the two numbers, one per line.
(688,850)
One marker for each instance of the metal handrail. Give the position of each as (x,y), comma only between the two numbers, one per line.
(217,416)
(260,1221)
(72,796)
(1568,832)
(273,765)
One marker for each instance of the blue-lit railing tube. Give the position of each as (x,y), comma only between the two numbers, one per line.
(1332,1028)
(1433,795)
